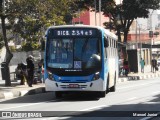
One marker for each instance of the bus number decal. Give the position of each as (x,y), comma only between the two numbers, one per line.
(74,32)
(63,32)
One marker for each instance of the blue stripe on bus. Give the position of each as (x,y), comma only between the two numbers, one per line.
(73,78)
(102,75)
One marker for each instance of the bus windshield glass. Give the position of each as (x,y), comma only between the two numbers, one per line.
(66,54)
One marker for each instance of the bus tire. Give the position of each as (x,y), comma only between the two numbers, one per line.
(102,94)
(113,88)
(107,86)
(58,94)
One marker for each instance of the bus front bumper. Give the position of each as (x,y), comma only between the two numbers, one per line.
(96,85)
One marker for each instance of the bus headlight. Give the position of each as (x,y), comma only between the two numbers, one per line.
(50,76)
(96,76)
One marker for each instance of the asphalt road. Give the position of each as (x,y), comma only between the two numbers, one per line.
(131,99)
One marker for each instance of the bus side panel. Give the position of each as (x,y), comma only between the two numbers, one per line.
(104,71)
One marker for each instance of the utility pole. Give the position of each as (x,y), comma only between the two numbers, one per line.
(95,3)
(140,42)
(79,12)
(136,36)
(151,39)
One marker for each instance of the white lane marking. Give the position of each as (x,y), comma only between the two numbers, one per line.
(136,85)
(30,104)
(22,106)
(133,98)
(156,92)
(148,118)
(94,108)
(154,103)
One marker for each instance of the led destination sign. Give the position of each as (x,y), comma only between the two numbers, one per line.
(73,32)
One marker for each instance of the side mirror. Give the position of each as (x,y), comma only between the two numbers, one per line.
(94,61)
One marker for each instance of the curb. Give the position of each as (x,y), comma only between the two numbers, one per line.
(123,79)
(13,94)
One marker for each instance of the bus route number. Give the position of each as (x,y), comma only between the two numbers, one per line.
(74,32)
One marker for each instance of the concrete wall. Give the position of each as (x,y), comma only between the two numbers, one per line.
(2,54)
(19,57)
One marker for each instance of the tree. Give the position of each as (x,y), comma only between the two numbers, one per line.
(1,41)
(39,14)
(74,8)
(27,17)
(122,15)
(128,11)
(3,15)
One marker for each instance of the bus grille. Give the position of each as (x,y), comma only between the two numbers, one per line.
(67,86)
(77,81)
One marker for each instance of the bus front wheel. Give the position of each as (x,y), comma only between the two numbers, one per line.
(103,94)
(107,85)
(58,94)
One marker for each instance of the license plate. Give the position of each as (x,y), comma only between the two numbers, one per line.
(73,86)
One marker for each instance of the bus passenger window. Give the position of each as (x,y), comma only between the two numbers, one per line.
(105,52)
(106,42)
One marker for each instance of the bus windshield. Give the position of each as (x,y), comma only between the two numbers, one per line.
(73,53)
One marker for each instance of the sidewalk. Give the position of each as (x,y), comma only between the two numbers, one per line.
(139,76)
(17,90)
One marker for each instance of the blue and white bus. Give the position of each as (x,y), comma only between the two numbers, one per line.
(80,58)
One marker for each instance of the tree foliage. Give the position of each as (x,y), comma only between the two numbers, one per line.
(9,55)
(29,19)
(32,17)
(1,41)
(122,15)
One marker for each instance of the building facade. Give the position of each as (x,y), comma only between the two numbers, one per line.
(90,18)
(138,37)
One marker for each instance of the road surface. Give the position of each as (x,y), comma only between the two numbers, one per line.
(133,100)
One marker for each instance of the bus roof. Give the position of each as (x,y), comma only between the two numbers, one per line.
(111,34)
(77,25)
